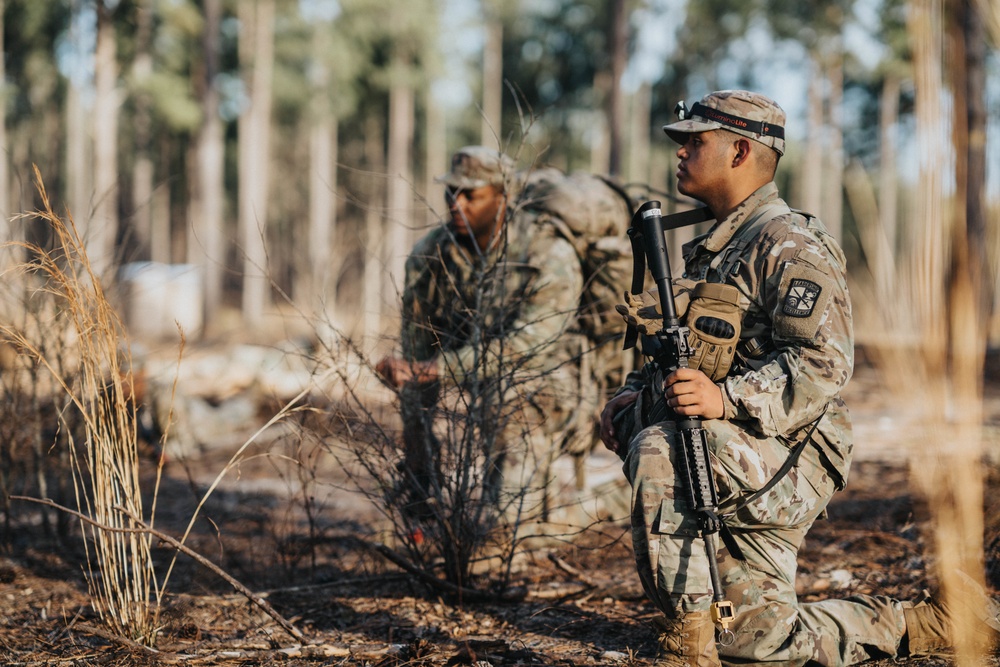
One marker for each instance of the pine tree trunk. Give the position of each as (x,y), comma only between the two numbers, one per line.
(437,160)
(257,62)
(888,194)
(638,169)
(6,231)
(881,258)
(600,147)
(318,281)
(490,131)
(206,243)
(142,170)
(102,227)
(833,196)
(973,31)
(78,173)
(321,283)
(929,245)
(371,285)
(616,98)
(811,173)
(399,184)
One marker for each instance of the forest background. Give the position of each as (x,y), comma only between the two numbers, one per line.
(286,149)
(274,161)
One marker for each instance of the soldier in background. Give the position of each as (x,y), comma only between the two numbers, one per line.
(489,308)
(769,394)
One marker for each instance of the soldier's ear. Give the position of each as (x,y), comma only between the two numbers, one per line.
(743,149)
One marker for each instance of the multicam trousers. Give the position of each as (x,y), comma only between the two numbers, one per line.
(771,626)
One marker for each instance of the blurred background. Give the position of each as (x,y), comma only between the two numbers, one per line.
(229,161)
(254,172)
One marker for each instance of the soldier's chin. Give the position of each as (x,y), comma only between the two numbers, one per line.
(459,227)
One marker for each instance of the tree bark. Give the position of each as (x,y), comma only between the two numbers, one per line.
(883,265)
(969,82)
(616,98)
(78,174)
(600,146)
(492,113)
(102,228)
(371,285)
(833,195)
(319,283)
(257,62)
(6,231)
(142,170)
(206,230)
(811,179)
(888,195)
(400,178)
(437,160)
(930,244)
(640,126)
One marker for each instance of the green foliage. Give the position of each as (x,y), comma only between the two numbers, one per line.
(30,43)
(553,54)
(173,102)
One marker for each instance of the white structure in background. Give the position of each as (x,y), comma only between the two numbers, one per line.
(159,298)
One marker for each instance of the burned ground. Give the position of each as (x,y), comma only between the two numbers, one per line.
(578,603)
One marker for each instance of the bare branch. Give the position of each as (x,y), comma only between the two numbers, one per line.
(186,550)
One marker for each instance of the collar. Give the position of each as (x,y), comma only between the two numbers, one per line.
(724,230)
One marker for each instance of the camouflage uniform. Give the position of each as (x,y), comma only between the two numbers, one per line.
(499,327)
(794,356)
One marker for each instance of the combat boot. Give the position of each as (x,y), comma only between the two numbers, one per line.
(929,623)
(687,641)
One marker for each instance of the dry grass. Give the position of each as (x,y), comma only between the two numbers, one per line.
(990,12)
(921,309)
(103,456)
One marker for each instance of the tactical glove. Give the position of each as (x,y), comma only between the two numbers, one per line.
(713,319)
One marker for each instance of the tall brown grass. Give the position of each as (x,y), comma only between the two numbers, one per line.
(927,333)
(103,455)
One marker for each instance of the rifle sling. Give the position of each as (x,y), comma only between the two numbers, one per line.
(793,456)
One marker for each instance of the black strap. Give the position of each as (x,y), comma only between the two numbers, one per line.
(672,221)
(687,218)
(755,126)
(793,458)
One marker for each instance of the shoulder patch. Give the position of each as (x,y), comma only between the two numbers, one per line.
(803,297)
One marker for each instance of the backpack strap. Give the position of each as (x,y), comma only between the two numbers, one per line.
(727,260)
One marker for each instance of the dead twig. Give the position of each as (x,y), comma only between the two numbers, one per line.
(188,551)
(104,633)
(466,594)
(569,569)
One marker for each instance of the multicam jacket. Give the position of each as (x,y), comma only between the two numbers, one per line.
(796,348)
(512,308)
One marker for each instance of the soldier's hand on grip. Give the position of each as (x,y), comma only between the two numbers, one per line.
(691,393)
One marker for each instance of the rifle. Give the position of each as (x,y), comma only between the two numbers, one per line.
(670,351)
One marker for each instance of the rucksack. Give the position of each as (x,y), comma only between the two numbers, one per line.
(593,214)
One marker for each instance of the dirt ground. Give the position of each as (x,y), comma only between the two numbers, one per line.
(582,603)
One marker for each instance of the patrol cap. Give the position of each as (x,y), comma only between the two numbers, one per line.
(741,111)
(476,167)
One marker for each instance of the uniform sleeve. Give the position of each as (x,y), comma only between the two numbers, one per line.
(805,294)
(534,340)
(417,338)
